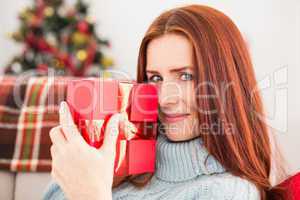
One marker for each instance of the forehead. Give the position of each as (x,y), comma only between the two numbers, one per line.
(169,51)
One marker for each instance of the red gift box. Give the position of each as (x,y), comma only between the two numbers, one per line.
(92,101)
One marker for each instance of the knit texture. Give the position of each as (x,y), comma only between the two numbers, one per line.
(184,170)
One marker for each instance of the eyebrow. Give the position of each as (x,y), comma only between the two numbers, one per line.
(172,70)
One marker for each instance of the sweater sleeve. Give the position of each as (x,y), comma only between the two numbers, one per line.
(53,192)
(235,188)
(245,190)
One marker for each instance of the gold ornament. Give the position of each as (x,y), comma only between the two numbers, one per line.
(16,36)
(81,55)
(106,62)
(26,14)
(106,74)
(58,64)
(49,11)
(79,39)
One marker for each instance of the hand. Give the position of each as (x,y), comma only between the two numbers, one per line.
(82,171)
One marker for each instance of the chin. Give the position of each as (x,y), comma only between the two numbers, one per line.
(177,137)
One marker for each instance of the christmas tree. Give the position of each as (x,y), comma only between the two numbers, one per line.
(60,38)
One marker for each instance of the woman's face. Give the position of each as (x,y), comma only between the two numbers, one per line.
(170,67)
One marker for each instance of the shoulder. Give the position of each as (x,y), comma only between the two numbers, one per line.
(227,186)
(53,192)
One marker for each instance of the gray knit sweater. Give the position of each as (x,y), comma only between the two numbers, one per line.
(181,173)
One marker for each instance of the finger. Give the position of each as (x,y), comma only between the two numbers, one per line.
(53,151)
(111,133)
(66,121)
(57,136)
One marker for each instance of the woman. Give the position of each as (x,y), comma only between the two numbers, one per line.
(214,143)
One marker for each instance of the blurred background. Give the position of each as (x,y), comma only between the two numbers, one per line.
(270,27)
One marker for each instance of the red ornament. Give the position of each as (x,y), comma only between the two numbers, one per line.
(30,40)
(63,57)
(42,67)
(43,45)
(36,21)
(83,27)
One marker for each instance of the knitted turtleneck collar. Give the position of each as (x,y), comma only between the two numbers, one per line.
(181,161)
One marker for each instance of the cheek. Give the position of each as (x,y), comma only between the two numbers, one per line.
(192,126)
(189,97)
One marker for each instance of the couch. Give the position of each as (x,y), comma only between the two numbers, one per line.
(23,185)
(25,175)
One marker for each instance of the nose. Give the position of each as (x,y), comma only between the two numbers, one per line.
(169,95)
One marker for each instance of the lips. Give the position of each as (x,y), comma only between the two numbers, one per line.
(171,118)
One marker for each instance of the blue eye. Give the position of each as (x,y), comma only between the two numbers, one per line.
(186,76)
(155,78)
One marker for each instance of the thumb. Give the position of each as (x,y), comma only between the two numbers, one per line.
(67,124)
(65,117)
(111,133)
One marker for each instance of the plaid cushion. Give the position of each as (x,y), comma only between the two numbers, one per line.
(28,110)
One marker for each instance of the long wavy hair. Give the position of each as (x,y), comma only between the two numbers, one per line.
(221,56)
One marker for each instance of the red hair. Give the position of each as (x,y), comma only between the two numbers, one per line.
(221,56)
